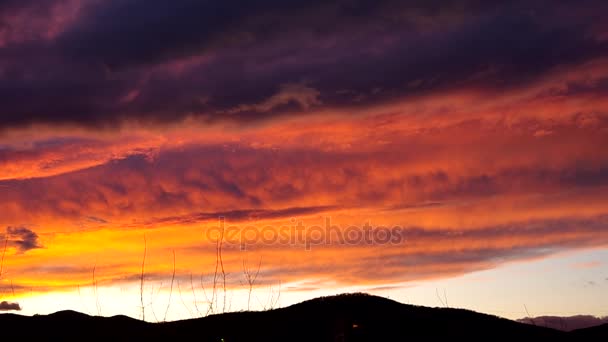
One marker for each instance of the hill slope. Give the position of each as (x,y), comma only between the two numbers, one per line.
(597,333)
(356,317)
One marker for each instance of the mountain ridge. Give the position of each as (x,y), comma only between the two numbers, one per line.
(346,317)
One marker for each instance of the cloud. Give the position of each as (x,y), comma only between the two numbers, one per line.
(434,116)
(24,239)
(378,51)
(56,155)
(304,165)
(439,180)
(587,264)
(242,215)
(6,306)
(96,219)
(420,253)
(26,21)
(300,94)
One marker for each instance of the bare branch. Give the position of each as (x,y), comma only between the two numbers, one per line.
(222,267)
(141,285)
(81,300)
(213,292)
(97,305)
(276,301)
(194,295)
(179,288)
(250,278)
(205,295)
(3,254)
(219,266)
(152,301)
(530,317)
(171,290)
(443,303)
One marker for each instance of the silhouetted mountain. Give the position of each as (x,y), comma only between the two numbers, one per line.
(568,323)
(353,317)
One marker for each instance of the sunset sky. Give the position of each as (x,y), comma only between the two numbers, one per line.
(472,134)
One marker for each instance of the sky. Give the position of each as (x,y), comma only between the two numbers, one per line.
(158,158)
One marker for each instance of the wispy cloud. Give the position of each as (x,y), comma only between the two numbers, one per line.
(587,264)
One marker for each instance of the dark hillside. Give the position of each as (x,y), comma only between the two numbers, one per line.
(353,317)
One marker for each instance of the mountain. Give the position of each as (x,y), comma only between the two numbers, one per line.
(352,317)
(566,323)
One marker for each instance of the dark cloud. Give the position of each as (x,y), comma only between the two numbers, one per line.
(415,206)
(96,219)
(24,239)
(244,214)
(144,32)
(8,7)
(114,62)
(6,306)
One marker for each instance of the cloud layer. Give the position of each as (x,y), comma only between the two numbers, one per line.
(62,63)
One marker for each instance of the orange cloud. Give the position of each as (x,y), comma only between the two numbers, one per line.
(473,181)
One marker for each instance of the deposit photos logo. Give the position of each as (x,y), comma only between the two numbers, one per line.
(298,234)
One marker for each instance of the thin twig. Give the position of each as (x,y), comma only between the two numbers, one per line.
(4,253)
(171,290)
(141,284)
(205,294)
(443,303)
(194,295)
(179,288)
(218,263)
(97,305)
(529,317)
(222,266)
(250,278)
(212,303)
(152,301)
(272,301)
(81,300)
(230,302)
(269,298)
(278,296)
